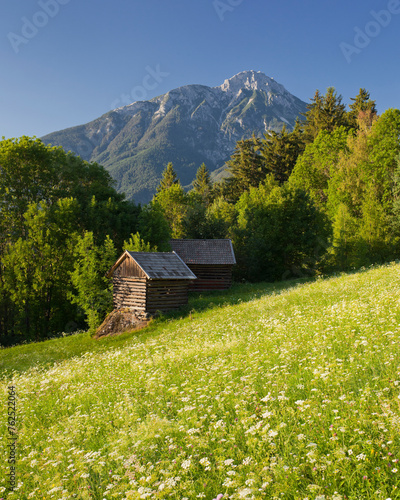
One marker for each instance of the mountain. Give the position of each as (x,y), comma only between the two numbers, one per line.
(187,126)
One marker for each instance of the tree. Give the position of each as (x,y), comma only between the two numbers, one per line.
(154,228)
(173,202)
(137,244)
(313,117)
(361,107)
(324,113)
(395,219)
(280,233)
(36,270)
(169,178)
(279,152)
(362,192)
(92,290)
(246,168)
(202,183)
(31,172)
(315,167)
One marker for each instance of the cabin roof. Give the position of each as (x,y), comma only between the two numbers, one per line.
(157,265)
(205,251)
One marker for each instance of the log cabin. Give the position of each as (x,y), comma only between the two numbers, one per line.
(210,260)
(150,282)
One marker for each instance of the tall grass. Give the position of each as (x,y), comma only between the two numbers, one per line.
(290,394)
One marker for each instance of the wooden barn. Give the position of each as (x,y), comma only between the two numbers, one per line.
(150,282)
(210,260)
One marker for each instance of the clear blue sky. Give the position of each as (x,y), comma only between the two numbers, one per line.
(91,55)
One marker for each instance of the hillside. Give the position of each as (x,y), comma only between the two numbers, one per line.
(187,126)
(269,391)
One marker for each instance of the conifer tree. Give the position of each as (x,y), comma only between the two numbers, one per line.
(169,178)
(324,113)
(361,107)
(313,116)
(246,167)
(202,183)
(280,152)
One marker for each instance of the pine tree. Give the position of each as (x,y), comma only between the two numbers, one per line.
(333,111)
(202,183)
(246,167)
(280,152)
(313,116)
(324,113)
(169,178)
(362,108)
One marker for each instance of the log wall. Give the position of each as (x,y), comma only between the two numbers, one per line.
(129,269)
(164,295)
(149,295)
(129,292)
(210,277)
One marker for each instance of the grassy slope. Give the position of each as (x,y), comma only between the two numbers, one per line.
(292,394)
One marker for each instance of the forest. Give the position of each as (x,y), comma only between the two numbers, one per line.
(320,199)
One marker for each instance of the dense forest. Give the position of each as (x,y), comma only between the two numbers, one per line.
(321,198)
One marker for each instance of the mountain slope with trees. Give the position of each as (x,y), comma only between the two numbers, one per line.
(187,126)
(320,198)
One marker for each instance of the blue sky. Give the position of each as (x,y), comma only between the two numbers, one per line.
(84,57)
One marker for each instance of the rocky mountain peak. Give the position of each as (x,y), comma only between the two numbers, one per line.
(188,125)
(251,80)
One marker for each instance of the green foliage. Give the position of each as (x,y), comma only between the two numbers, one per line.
(324,113)
(169,178)
(246,168)
(153,226)
(49,198)
(137,244)
(362,106)
(280,233)
(395,219)
(31,172)
(280,151)
(350,176)
(35,271)
(316,165)
(222,216)
(202,184)
(173,202)
(92,290)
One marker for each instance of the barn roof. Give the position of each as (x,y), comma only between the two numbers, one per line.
(204,251)
(157,265)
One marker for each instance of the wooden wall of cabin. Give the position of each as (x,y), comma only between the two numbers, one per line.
(129,292)
(164,295)
(210,277)
(129,269)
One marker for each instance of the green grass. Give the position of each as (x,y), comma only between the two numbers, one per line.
(267,391)
(44,354)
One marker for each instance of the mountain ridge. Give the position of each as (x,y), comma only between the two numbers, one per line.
(188,125)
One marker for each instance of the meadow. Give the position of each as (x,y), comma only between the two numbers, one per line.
(267,391)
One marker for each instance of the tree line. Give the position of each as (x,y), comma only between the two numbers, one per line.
(62,226)
(322,197)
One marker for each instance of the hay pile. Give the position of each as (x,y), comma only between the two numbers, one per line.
(122,320)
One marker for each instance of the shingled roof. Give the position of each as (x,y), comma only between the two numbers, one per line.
(157,265)
(204,251)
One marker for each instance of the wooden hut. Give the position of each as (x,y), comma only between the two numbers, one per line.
(150,282)
(210,260)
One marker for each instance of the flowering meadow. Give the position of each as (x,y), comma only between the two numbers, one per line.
(293,394)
